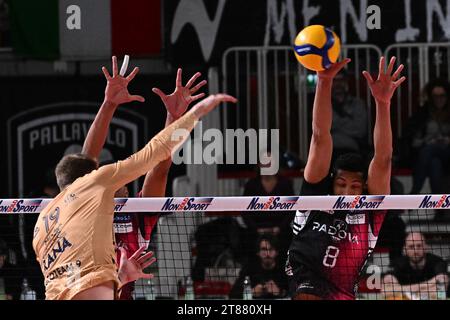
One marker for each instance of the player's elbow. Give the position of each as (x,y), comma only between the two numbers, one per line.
(384,160)
(320,136)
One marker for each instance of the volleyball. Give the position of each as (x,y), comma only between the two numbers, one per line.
(317,47)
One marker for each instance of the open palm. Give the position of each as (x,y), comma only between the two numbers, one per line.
(384,86)
(131,269)
(178,101)
(116,90)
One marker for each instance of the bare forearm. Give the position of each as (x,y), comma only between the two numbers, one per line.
(321,147)
(322,111)
(98,131)
(382,134)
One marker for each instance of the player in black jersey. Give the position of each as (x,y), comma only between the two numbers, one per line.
(329,249)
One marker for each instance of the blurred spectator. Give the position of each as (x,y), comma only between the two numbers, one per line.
(266,273)
(349,128)
(417,273)
(276,223)
(428,135)
(10,278)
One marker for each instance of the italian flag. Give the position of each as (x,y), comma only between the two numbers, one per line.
(44,29)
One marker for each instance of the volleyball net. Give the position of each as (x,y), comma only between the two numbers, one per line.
(236,247)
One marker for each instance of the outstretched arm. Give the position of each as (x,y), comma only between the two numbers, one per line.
(379,177)
(176,105)
(160,147)
(321,148)
(116,93)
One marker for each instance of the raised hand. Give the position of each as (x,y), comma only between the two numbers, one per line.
(178,101)
(384,86)
(206,105)
(333,70)
(131,269)
(116,91)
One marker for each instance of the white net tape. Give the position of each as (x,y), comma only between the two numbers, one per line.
(272,203)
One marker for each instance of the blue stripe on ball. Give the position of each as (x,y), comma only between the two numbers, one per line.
(328,44)
(306,49)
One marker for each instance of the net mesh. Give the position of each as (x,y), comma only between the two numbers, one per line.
(218,255)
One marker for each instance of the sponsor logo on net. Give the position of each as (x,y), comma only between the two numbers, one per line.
(358,202)
(187,204)
(273,203)
(120,203)
(20,206)
(442,202)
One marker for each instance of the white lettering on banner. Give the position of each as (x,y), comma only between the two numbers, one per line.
(408,33)
(347,8)
(193,12)
(276,20)
(433,6)
(281,20)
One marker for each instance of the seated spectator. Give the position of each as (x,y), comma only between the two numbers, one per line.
(10,278)
(349,128)
(428,135)
(273,222)
(418,273)
(266,273)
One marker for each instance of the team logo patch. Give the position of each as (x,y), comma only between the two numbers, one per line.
(355,218)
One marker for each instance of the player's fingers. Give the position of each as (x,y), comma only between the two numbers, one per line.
(123,253)
(148,263)
(133,74)
(192,80)
(161,94)
(106,73)
(381,67)
(344,62)
(136,98)
(138,253)
(368,77)
(397,72)
(146,275)
(198,96)
(198,86)
(391,65)
(144,257)
(225,98)
(179,75)
(399,82)
(114,65)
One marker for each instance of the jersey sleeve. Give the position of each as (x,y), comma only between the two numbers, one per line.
(158,149)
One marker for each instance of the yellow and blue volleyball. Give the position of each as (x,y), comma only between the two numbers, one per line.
(317,47)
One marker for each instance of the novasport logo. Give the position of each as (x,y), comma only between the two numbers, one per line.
(20,206)
(187,204)
(120,203)
(358,202)
(273,203)
(443,202)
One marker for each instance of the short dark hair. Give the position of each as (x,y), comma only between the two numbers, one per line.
(352,162)
(73,166)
